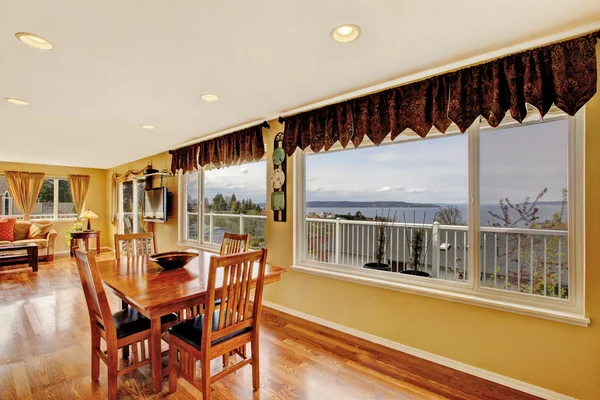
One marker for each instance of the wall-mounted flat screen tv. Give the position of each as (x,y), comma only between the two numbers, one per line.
(155,205)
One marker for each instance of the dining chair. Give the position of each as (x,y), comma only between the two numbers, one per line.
(135,244)
(233,243)
(119,330)
(221,328)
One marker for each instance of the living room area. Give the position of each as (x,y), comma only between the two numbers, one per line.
(311,200)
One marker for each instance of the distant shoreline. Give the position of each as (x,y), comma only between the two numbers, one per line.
(368,204)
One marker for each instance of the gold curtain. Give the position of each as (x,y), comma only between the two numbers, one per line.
(24,188)
(79,189)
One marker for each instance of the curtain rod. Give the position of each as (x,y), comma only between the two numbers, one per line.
(481,58)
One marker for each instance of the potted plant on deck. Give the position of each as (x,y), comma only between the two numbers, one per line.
(418,244)
(382,225)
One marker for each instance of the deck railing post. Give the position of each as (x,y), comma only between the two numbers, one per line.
(210,227)
(337,240)
(241,223)
(435,249)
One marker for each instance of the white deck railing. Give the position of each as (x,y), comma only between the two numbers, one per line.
(515,259)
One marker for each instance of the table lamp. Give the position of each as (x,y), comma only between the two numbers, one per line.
(89,215)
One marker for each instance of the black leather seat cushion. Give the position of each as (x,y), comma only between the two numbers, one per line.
(130,321)
(190,331)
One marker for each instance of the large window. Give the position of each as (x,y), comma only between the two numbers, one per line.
(489,216)
(54,200)
(231,199)
(131,200)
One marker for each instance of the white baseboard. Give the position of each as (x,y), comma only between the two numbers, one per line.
(447,362)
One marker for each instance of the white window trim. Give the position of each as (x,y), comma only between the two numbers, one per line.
(55,215)
(183,241)
(571,311)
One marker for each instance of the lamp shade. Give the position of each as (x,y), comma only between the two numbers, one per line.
(88,214)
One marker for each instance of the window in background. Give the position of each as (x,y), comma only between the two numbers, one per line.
(521,181)
(66,207)
(523,208)
(234,201)
(132,197)
(418,189)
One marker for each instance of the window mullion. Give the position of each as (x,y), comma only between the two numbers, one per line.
(201,205)
(474,217)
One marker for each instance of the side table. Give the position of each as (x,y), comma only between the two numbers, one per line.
(85,236)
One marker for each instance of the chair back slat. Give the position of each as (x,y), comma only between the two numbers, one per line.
(134,245)
(236,274)
(93,289)
(233,243)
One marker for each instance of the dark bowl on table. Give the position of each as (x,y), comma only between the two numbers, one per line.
(173,259)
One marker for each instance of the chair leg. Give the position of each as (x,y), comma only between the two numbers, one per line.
(113,369)
(95,355)
(173,368)
(255,363)
(225,360)
(205,383)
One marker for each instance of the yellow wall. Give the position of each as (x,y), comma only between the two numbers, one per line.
(166,232)
(96,198)
(557,356)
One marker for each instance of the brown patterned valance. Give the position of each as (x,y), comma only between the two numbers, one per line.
(563,74)
(234,148)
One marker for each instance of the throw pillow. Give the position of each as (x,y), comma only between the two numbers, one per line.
(38,230)
(22,230)
(7,229)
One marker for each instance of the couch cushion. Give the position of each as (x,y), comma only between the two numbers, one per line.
(42,243)
(4,242)
(39,230)
(22,230)
(7,229)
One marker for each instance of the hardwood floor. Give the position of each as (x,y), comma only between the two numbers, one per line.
(45,354)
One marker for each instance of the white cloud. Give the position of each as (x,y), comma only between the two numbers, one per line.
(400,188)
(244,170)
(385,189)
(415,190)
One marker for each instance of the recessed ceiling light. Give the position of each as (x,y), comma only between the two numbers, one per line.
(345,33)
(209,97)
(14,100)
(34,40)
(148,126)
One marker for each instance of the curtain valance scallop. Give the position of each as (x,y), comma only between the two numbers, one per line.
(562,73)
(234,148)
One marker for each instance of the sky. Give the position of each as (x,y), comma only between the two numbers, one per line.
(515,162)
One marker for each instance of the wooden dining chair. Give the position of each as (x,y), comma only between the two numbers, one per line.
(234,243)
(135,244)
(122,329)
(222,328)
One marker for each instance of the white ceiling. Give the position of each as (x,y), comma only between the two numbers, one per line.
(119,64)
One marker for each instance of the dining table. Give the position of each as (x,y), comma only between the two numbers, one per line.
(155,292)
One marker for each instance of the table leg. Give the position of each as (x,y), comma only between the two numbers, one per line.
(98,243)
(32,252)
(87,244)
(72,246)
(155,353)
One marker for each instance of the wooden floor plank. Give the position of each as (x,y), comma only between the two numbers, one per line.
(45,354)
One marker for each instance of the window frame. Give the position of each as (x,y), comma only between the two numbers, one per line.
(571,310)
(134,207)
(56,216)
(182,213)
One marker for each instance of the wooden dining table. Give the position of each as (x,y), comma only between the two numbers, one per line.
(156,292)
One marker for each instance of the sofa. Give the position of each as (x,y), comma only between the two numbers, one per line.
(43,233)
